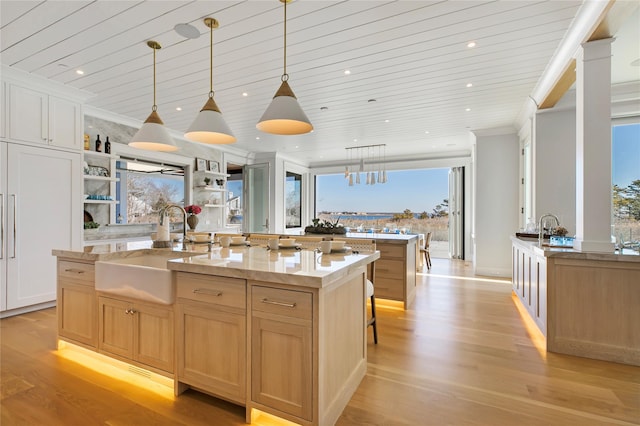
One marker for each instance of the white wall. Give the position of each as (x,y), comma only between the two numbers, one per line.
(554,171)
(495,201)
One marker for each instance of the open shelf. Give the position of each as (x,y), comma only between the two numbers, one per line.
(102,178)
(210,189)
(101,201)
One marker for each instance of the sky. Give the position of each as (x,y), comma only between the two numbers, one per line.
(416,190)
(626,154)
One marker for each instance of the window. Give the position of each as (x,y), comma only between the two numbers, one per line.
(413,201)
(625,162)
(293,200)
(145,188)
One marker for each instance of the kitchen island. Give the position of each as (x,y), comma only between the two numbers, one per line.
(280,331)
(396,270)
(586,304)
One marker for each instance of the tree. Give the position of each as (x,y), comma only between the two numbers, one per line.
(423,215)
(632,194)
(620,202)
(407,214)
(442,209)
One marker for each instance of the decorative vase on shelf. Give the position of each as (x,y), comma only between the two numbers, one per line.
(192,221)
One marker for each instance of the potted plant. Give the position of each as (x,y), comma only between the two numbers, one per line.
(325,227)
(91,227)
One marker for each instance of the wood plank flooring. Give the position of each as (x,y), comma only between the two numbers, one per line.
(462,355)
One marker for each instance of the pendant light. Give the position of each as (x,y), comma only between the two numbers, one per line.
(284,116)
(153,136)
(209,125)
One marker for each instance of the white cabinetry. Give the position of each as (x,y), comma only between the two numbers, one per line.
(40,211)
(38,117)
(100,186)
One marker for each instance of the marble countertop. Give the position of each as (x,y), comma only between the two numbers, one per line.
(570,253)
(286,266)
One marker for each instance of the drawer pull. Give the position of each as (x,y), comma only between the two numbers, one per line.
(274,302)
(216,293)
(75,271)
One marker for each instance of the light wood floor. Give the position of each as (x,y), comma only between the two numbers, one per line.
(461,356)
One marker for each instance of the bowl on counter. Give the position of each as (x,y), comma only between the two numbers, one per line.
(199,237)
(287,242)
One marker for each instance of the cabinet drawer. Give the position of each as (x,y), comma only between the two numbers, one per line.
(391,250)
(390,268)
(217,290)
(389,288)
(282,302)
(80,273)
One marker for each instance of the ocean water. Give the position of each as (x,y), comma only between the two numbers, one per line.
(380,216)
(359,217)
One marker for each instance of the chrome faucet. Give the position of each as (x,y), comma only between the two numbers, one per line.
(541,228)
(163,213)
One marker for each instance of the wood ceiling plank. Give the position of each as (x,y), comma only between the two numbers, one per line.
(12,10)
(37,20)
(82,19)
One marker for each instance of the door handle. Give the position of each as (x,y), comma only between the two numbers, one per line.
(15,224)
(1,226)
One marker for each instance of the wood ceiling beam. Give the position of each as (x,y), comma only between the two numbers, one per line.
(613,17)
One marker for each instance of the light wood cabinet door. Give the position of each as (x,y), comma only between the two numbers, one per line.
(137,332)
(282,350)
(212,350)
(153,336)
(77,313)
(116,327)
(282,366)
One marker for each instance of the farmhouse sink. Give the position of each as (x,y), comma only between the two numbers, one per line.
(143,277)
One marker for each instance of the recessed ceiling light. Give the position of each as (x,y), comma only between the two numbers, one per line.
(471,44)
(187,30)
(371,100)
(347,72)
(245,94)
(324,108)
(386,121)
(355,140)
(467,109)
(426,132)
(636,63)
(257,138)
(469,84)
(178,109)
(79,72)
(296,146)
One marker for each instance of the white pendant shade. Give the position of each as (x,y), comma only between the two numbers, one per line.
(209,126)
(153,136)
(284,115)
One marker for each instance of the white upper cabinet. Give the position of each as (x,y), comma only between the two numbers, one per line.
(41,118)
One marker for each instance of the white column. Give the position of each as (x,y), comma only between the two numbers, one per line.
(593,147)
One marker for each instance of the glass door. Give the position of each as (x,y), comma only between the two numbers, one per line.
(256,195)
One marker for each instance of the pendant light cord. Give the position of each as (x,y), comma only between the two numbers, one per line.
(211,62)
(154,107)
(285,76)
